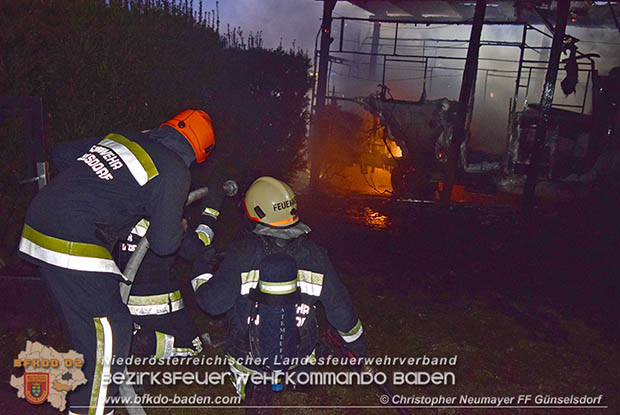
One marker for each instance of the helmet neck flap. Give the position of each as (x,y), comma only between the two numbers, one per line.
(174,140)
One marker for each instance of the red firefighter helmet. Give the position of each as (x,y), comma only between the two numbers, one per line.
(195,126)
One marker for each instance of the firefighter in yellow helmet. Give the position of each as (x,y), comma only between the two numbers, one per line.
(269,284)
(105,186)
(278,201)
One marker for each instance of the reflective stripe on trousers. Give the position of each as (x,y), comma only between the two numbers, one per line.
(165,347)
(242,373)
(352,334)
(99,388)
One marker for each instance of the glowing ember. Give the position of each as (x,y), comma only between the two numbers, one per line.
(369,217)
(394,148)
(375,219)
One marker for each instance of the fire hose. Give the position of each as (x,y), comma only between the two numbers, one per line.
(127,391)
(336,342)
(230,189)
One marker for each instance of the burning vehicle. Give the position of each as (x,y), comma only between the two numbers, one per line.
(423,131)
(417,53)
(578,147)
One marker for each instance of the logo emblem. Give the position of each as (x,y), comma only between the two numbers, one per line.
(36,387)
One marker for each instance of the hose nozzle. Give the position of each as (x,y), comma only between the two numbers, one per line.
(230,188)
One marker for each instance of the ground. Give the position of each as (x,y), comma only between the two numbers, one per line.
(527,310)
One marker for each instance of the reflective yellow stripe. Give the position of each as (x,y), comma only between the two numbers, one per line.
(201,279)
(136,159)
(277,288)
(249,281)
(241,375)
(65,247)
(160,304)
(352,334)
(141,227)
(66,254)
(211,212)
(310,283)
(165,344)
(187,351)
(154,299)
(205,234)
(96,382)
(156,309)
(99,389)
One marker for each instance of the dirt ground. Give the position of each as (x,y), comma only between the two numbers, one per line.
(527,310)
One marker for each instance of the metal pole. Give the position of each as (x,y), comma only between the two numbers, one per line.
(527,89)
(314,75)
(326,31)
(613,13)
(383,75)
(430,82)
(511,133)
(585,93)
(319,119)
(472,99)
(486,80)
(469,76)
(515,100)
(374,49)
(329,72)
(341,34)
(395,38)
(563,8)
(423,96)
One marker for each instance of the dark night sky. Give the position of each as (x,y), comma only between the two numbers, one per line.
(290,20)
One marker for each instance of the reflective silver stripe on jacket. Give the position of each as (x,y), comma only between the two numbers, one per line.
(249,281)
(310,283)
(63,260)
(135,158)
(277,288)
(156,310)
(141,228)
(147,305)
(211,212)
(201,279)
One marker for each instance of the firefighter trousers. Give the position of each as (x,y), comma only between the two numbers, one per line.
(98,325)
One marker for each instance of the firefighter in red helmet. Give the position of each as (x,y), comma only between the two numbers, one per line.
(105,186)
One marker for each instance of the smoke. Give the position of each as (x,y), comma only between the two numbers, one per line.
(358,75)
(295,23)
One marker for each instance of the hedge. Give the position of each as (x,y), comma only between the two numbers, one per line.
(132,64)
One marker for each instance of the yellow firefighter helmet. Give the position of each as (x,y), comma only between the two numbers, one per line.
(271,202)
